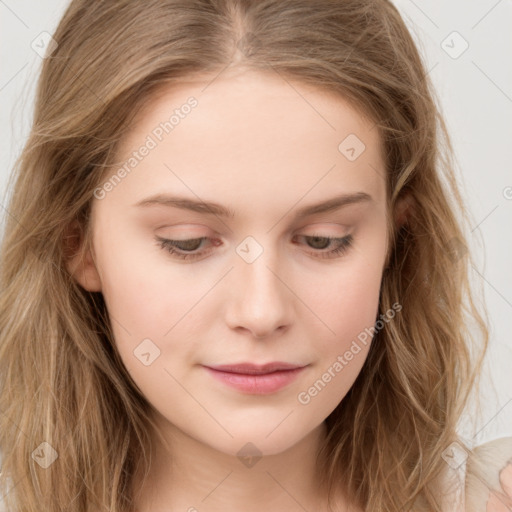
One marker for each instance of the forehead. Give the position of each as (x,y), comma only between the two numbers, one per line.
(258,131)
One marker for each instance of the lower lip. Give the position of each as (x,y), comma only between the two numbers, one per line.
(257,384)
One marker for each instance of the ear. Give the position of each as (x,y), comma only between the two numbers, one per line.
(80,261)
(403,210)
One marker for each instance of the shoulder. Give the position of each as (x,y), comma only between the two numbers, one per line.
(483,468)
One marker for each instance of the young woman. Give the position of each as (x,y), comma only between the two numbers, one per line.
(233,273)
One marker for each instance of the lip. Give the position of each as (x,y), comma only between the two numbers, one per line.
(256,379)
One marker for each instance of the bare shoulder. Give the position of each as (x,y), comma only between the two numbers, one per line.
(484,465)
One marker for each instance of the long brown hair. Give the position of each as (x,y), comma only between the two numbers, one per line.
(62,381)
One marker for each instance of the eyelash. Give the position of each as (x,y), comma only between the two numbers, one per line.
(170,246)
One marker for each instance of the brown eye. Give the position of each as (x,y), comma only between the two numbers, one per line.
(341,245)
(189,249)
(319,242)
(188,245)
(183,249)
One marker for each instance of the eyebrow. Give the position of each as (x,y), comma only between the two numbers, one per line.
(211,208)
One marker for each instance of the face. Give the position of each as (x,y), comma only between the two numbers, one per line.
(212,248)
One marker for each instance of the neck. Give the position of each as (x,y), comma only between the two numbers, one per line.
(188,475)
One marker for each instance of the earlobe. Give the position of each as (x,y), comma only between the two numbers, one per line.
(403,210)
(80,261)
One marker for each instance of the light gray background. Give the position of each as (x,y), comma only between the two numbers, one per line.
(475,89)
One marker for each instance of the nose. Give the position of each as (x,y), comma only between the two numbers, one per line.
(260,302)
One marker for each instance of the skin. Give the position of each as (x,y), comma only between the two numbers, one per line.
(257,146)
(502,502)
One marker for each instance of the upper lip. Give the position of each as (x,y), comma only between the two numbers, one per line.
(255,369)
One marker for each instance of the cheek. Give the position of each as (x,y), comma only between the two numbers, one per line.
(348,299)
(154,325)
(349,303)
(350,308)
(352,316)
(146,295)
(147,299)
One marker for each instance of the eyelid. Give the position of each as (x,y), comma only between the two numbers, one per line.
(344,244)
(322,225)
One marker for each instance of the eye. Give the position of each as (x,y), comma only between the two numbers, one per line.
(183,249)
(341,245)
(188,249)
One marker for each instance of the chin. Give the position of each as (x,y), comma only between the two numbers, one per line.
(264,441)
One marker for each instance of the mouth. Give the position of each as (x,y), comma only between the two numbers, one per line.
(256,379)
(255,369)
